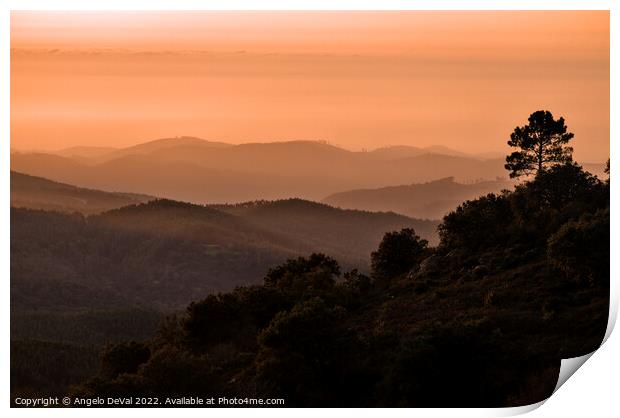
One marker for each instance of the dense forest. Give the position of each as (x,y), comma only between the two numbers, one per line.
(161,299)
(165,253)
(518,282)
(82,278)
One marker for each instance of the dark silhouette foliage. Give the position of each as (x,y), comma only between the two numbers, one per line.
(123,358)
(237,316)
(398,253)
(542,143)
(561,185)
(304,277)
(476,223)
(305,339)
(529,214)
(581,248)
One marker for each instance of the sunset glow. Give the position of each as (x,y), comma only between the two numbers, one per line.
(355,79)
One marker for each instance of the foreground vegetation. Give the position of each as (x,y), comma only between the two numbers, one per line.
(518,282)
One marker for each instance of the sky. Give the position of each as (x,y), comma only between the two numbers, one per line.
(359,80)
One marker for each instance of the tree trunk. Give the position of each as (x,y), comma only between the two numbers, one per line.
(540,155)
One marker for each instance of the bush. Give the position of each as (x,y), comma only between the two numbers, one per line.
(581,248)
(477,223)
(212,320)
(304,277)
(300,355)
(123,358)
(397,254)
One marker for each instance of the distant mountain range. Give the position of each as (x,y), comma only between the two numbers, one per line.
(192,169)
(394,152)
(430,200)
(107,153)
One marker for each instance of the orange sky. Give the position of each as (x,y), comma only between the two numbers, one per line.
(356,79)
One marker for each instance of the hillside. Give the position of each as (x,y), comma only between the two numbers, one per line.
(335,230)
(518,282)
(200,171)
(430,200)
(164,253)
(39,193)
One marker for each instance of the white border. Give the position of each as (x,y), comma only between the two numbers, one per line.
(593,391)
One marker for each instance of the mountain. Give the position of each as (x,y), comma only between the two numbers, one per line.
(163,144)
(199,171)
(430,200)
(164,253)
(39,193)
(85,153)
(440,149)
(395,152)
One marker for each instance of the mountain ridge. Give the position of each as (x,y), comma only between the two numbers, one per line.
(206,174)
(429,200)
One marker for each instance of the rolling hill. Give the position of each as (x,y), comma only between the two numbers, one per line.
(39,193)
(164,253)
(430,200)
(85,153)
(394,152)
(159,145)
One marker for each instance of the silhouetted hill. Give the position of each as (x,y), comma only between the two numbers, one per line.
(395,152)
(430,200)
(42,165)
(164,253)
(39,193)
(348,232)
(199,171)
(85,153)
(163,144)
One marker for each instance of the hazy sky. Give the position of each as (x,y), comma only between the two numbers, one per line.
(355,79)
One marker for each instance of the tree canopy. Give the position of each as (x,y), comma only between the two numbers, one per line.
(398,253)
(542,143)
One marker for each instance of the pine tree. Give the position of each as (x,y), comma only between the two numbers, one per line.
(542,142)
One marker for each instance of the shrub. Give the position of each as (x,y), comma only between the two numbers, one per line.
(581,248)
(397,254)
(476,223)
(300,354)
(123,358)
(302,277)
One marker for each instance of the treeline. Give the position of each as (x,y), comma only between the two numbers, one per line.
(518,282)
